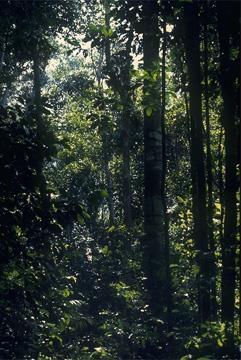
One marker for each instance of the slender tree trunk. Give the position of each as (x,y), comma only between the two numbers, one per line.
(126,115)
(197,158)
(187,118)
(221,186)
(154,241)
(37,83)
(164,173)
(5,96)
(108,178)
(210,207)
(239,161)
(3,52)
(227,78)
(41,137)
(126,171)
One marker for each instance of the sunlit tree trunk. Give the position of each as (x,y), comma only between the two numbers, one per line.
(192,44)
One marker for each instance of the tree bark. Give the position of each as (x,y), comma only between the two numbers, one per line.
(210,208)
(108,177)
(226,18)
(154,225)
(41,137)
(221,185)
(192,44)
(126,116)
(164,173)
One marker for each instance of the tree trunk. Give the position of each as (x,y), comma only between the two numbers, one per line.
(188,120)
(192,43)
(126,170)
(227,78)
(5,96)
(41,137)
(164,173)
(210,207)
(3,52)
(221,185)
(126,115)
(154,241)
(108,177)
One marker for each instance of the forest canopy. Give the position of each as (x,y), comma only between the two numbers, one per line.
(120,179)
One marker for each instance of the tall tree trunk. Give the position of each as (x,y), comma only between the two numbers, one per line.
(192,43)
(154,241)
(126,100)
(239,161)
(227,78)
(220,193)
(164,173)
(210,205)
(40,136)
(221,185)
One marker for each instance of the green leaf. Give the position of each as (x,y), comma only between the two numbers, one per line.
(66,293)
(93,27)
(104,193)
(219,343)
(106,32)
(173,266)
(80,219)
(154,75)
(111,229)
(105,250)
(149,111)
(110,32)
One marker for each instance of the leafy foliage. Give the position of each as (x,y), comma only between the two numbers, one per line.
(74,92)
